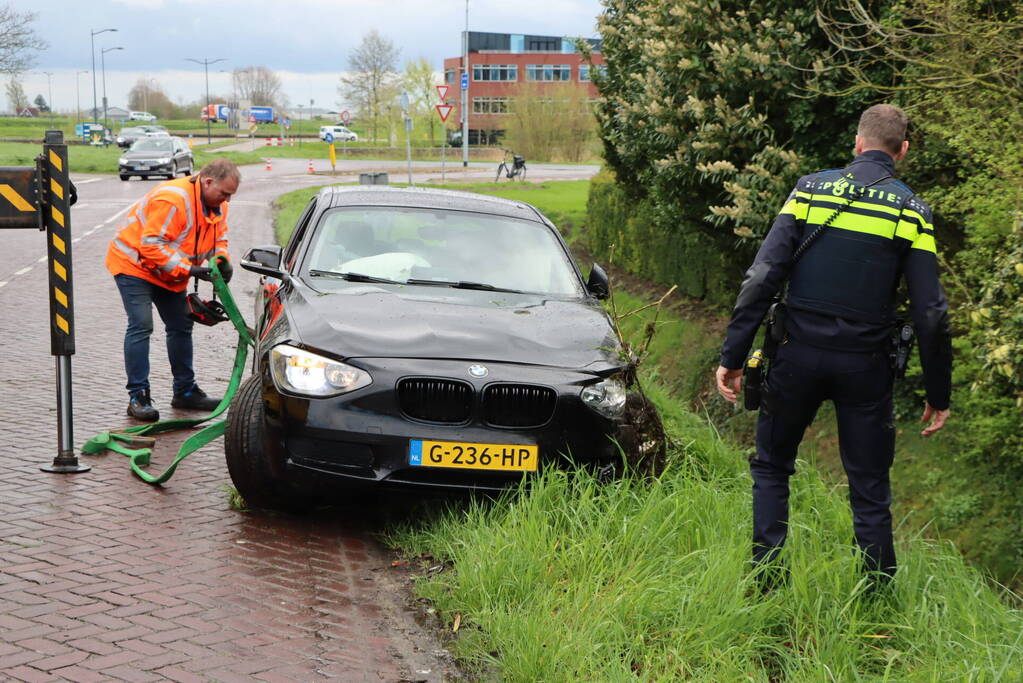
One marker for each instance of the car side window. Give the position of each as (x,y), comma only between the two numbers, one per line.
(291,251)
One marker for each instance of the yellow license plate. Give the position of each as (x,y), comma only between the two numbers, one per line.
(475,456)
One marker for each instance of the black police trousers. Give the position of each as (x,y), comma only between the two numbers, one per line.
(860,385)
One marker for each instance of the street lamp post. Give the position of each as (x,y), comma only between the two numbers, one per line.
(92,38)
(465,91)
(206,67)
(49,95)
(78,96)
(103,66)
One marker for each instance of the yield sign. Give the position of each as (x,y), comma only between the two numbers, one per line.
(442,90)
(444,110)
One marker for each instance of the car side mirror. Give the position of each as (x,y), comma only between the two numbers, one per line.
(264,260)
(597,284)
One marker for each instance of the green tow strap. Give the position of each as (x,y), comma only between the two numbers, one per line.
(134,442)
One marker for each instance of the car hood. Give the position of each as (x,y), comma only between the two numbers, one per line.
(364,320)
(148,154)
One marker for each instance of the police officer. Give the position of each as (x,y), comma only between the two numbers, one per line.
(837,331)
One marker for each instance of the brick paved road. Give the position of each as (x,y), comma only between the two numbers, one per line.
(103,577)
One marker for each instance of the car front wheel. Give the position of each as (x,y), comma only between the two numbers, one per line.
(124,176)
(247,457)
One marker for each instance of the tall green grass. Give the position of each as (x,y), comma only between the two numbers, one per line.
(571,580)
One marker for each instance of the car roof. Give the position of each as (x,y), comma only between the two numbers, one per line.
(426,198)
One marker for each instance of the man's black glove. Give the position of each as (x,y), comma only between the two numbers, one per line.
(201,272)
(226,269)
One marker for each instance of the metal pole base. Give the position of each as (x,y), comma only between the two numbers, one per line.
(65,463)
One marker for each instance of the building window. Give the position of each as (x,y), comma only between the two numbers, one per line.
(584,72)
(548,72)
(495,72)
(491,105)
(449,76)
(542,44)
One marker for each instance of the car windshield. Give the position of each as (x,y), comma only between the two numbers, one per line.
(153,145)
(431,247)
(132,131)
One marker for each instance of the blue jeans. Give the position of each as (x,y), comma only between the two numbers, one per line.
(139,296)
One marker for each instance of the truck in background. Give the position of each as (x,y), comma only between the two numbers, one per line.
(215,112)
(262,115)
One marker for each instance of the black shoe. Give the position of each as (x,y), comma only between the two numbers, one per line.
(196,399)
(141,407)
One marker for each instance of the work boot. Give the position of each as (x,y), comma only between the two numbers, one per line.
(140,406)
(196,399)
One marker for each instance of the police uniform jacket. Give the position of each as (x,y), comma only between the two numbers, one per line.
(842,291)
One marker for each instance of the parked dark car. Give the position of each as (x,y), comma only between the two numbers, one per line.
(156,156)
(422,338)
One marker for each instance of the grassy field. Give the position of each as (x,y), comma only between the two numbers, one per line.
(570,580)
(33,129)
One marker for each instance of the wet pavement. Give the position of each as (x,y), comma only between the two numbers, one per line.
(104,577)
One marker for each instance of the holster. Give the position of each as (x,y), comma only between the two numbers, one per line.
(902,340)
(774,328)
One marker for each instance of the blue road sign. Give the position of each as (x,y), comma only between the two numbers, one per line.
(328,138)
(465,81)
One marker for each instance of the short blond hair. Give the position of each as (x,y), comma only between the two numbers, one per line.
(883,125)
(219,169)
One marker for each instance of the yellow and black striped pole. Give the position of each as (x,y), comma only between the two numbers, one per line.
(56,207)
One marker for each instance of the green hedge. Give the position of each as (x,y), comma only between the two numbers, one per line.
(702,265)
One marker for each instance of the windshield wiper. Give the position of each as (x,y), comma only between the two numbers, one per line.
(463,284)
(352,277)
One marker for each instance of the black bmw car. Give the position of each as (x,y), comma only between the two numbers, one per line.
(422,338)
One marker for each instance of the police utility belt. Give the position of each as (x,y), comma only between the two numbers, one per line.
(758,364)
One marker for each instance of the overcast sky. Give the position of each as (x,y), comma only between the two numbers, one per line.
(306,41)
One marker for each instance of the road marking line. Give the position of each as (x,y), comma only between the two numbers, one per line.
(3,282)
(23,271)
(117,215)
(86,182)
(42,259)
(76,240)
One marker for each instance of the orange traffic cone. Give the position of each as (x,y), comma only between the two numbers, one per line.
(269,166)
(310,169)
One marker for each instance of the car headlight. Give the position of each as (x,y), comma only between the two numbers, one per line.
(298,371)
(122,161)
(163,160)
(607,397)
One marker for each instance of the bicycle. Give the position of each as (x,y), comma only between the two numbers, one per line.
(517,169)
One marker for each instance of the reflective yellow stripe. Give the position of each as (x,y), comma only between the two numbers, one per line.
(796,209)
(11,195)
(804,195)
(925,242)
(923,221)
(60,296)
(851,221)
(907,231)
(60,270)
(55,160)
(57,215)
(62,324)
(59,243)
(881,208)
(56,189)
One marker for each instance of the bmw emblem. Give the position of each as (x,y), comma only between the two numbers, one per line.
(478,371)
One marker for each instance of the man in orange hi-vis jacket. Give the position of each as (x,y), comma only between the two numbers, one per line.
(167,237)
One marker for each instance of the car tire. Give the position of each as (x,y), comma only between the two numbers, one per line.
(188,169)
(124,177)
(247,457)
